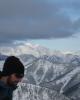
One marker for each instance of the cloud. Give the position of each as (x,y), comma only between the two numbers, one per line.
(33,19)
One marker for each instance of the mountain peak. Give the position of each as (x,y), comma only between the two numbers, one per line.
(32,45)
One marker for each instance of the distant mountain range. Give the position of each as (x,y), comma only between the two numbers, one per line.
(55,71)
(31,49)
(3,57)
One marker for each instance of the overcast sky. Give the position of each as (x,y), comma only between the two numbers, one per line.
(54,22)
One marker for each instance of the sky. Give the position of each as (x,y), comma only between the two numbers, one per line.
(54,24)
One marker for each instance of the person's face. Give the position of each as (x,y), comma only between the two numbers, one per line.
(14,79)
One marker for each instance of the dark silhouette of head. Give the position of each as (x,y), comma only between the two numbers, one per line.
(13,69)
(13,65)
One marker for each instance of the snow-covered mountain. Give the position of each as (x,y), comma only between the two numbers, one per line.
(27,48)
(55,75)
(36,50)
(55,71)
(33,92)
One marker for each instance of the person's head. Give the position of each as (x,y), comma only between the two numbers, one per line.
(13,69)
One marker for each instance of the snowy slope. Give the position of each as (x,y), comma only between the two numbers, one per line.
(33,92)
(54,75)
(55,71)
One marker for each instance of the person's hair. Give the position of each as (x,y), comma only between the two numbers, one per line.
(13,65)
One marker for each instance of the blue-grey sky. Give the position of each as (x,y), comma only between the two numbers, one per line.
(51,23)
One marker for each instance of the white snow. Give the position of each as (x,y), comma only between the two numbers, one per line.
(65,80)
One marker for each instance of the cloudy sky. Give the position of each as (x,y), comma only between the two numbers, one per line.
(51,23)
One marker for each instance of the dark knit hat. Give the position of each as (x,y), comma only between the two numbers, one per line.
(13,65)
